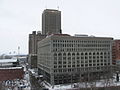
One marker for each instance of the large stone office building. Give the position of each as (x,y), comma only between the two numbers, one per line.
(65,59)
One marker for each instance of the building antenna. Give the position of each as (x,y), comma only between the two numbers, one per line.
(57,4)
(18,52)
(58,7)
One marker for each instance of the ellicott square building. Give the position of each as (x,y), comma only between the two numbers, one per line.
(66,59)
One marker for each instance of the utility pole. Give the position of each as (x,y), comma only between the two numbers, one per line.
(18,52)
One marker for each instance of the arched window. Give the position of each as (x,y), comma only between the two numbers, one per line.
(73,54)
(90,54)
(78,54)
(93,53)
(59,54)
(82,54)
(101,53)
(104,53)
(69,54)
(97,53)
(85,53)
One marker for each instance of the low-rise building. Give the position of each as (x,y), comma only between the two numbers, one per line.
(10,70)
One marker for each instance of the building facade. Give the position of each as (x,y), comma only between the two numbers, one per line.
(116,52)
(33,40)
(66,59)
(11,73)
(51,22)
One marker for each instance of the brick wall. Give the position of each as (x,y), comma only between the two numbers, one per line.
(10,74)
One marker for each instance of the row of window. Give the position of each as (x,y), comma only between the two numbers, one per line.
(82,61)
(81,45)
(85,53)
(78,70)
(80,65)
(79,41)
(81,57)
(79,49)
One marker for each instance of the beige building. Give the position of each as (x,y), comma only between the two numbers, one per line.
(65,59)
(51,22)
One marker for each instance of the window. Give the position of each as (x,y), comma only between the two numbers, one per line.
(89,53)
(73,54)
(64,54)
(69,54)
(85,53)
(90,64)
(64,62)
(55,62)
(82,54)
(59,62)
(78,58)
(78,54)
(90,61)
(64,58)
(55,54)
(59,54)
(55,66)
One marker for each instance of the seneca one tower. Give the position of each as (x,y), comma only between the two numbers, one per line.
(51,22)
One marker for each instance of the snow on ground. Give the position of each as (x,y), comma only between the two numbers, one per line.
(56,87)
(101,83)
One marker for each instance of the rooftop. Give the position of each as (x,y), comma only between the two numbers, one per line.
(12,68)
(7,60)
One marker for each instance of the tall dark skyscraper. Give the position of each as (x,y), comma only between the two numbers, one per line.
(51,22)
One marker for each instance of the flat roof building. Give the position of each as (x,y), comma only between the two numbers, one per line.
(51,22)
(65,59)
(33,40)
(10,70)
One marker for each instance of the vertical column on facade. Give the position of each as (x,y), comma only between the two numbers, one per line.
(52,79)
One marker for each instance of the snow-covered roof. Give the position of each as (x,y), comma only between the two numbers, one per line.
(8,60)
(12,68)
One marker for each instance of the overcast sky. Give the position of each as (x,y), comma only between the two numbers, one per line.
(18,18)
